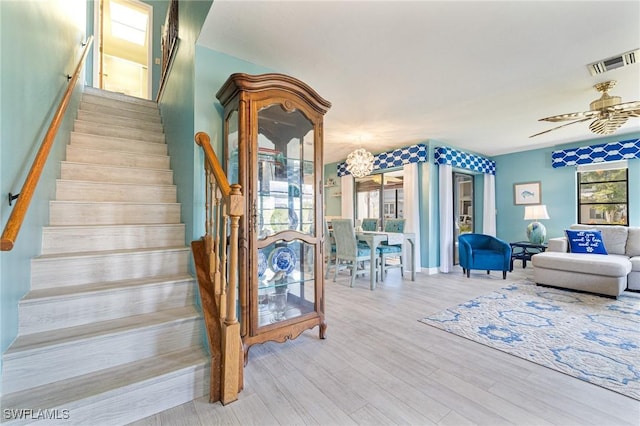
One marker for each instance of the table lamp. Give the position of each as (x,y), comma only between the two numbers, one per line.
(536,232)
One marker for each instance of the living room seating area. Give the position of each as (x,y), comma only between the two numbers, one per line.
(610,272)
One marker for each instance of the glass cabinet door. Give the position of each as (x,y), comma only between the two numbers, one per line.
(285,214)
(231,132)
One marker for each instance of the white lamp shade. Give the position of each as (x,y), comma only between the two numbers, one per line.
(535,212)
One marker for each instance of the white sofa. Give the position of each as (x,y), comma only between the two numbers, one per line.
(608,274)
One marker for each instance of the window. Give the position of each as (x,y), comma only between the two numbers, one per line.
(603,194)
(380,196)
(128,23)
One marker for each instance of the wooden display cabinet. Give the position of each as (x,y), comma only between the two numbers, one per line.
(273,148)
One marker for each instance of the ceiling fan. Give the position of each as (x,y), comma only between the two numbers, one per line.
(608,112)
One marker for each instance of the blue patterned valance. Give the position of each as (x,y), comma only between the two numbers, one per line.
(614,151)
(396,158)
(464,160)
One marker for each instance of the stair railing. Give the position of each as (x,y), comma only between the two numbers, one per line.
(218,276)
(16,218)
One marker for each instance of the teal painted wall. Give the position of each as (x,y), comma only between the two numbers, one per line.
(332,194)
(559,189)
(212,70)
(34,66)
(178,111)
(88,66)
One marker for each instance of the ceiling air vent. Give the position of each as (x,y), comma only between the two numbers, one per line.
(614,62)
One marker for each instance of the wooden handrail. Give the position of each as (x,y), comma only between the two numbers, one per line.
(19,212)
(217,271)
(204,141)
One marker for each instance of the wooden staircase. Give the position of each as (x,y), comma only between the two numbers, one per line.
(109,332)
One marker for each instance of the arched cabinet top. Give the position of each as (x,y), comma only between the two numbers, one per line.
(241,82)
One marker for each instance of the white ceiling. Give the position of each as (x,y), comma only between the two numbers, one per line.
(471,74)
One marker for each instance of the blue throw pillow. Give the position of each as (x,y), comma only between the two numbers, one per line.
(585,242)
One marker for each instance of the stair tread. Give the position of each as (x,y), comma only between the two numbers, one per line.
(101,384)
(118,225)
(118,138)
(108,252)
(111,151)
(91,115)
(124,104)
(145,203)
(35,296)
(94,182)
(147,115)
(119,126)
(108,94)
(113,166)
(45,340)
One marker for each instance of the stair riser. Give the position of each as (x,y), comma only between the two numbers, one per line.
(144,401)
(116,237)
(104,173)
(68,190)
(76,270)
(25,370)
(129,104)
(129,122)
(49,314)
(151,116)
(74,213)
(105,143)
(94,156)
(117,132)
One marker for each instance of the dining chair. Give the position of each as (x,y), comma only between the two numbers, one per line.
(330,248)
(370,224)
(348,250)
(386,251)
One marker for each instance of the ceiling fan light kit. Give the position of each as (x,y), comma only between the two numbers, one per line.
(608,112)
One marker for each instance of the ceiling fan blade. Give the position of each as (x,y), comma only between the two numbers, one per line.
(608,125)
(627,106)
(629,109)
(571,116)
(564,125)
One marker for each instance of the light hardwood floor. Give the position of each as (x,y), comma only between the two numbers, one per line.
(379,365)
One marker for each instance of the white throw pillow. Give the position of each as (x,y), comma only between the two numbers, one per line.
(633,242)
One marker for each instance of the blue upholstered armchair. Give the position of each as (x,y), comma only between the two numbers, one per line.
(479,251)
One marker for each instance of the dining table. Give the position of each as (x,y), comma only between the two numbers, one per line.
(374,238)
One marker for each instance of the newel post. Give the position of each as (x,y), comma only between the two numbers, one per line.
(232,344)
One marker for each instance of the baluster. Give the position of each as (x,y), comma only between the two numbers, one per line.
(231,317)
(207,216)
(222,248)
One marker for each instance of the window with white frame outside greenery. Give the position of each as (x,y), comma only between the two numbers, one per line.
(603,196)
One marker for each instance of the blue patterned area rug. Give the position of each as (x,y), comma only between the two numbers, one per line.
(593,338)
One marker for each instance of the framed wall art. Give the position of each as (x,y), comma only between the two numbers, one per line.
(527,193)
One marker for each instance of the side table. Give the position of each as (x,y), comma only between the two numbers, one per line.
(523,250)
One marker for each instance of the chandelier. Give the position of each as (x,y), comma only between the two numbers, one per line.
(360,163)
